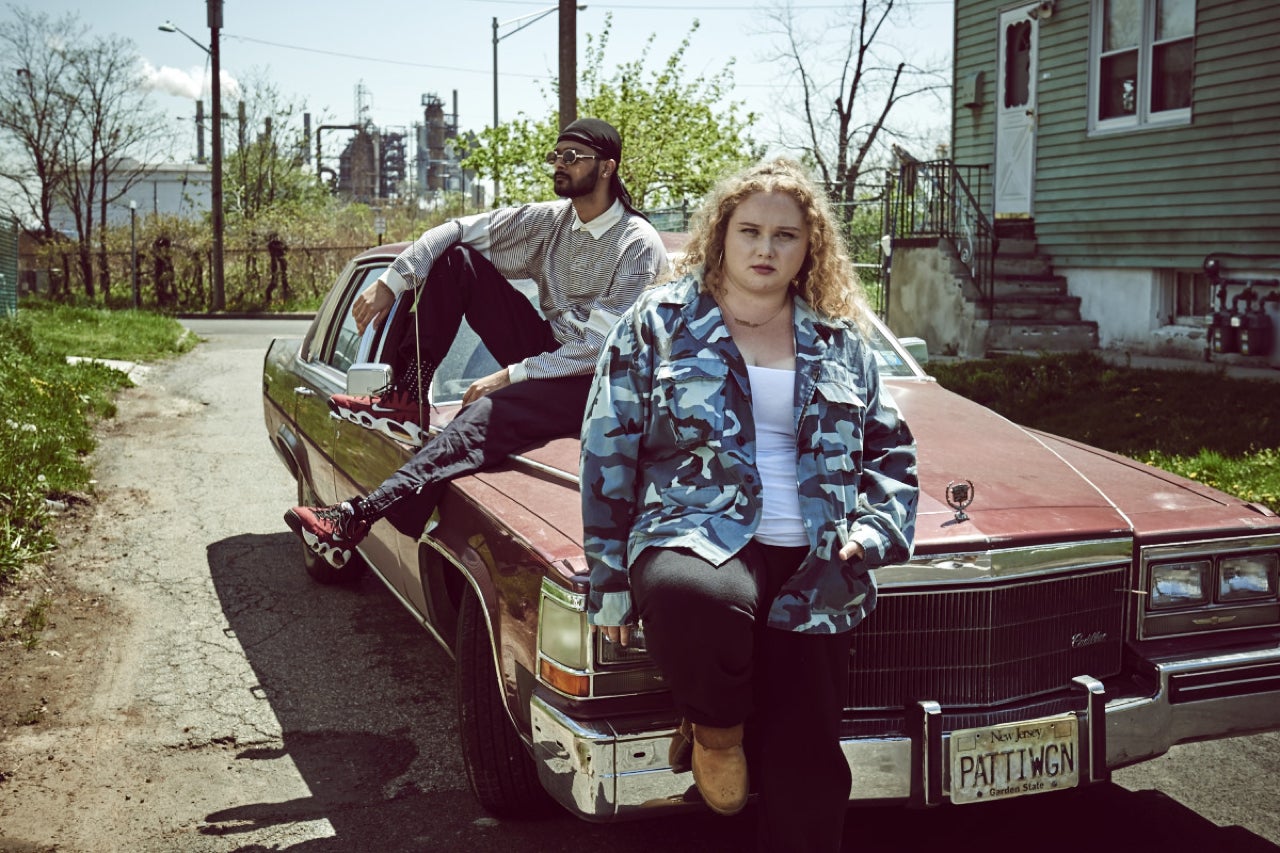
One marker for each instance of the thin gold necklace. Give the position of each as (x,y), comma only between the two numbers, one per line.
(751,325)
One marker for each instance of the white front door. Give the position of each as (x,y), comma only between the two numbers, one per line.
(1016,113)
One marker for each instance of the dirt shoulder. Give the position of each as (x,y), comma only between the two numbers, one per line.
(53,629)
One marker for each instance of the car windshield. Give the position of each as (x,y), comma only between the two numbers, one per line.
(890,359)
(469,359)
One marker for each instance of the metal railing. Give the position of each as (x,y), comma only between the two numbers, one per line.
(934,200)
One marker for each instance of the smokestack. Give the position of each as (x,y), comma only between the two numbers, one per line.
(200,158)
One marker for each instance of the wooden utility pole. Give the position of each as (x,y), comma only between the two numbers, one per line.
(568,62)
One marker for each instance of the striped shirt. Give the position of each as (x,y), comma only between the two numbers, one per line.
(587,273)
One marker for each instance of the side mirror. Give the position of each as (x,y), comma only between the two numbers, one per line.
(367,378)
(917,348)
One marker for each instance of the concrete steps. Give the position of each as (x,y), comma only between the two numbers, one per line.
(1031,309)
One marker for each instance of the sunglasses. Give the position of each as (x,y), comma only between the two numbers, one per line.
(569,157)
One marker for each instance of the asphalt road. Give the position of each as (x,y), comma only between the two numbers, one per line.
(244,708)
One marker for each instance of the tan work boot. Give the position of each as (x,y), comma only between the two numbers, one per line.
(680,753)
(720,767)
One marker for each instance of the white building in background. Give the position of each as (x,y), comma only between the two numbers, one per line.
(171,189)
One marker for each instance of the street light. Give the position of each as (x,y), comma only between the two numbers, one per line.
(133,252)
(171,27)
(523,21)
(215,68)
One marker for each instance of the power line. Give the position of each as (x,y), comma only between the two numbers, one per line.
(380,59)
(681,7)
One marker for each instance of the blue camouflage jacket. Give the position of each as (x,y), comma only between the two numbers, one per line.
(668,457)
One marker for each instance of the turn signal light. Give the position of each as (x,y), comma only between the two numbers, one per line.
(570,683)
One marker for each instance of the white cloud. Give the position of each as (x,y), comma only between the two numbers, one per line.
(186,84)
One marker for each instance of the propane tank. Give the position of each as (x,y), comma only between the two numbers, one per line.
(1262,332)
(1224,330)
(1254,337)
(1271,308)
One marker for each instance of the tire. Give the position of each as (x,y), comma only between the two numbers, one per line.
(499,767)
(321,571)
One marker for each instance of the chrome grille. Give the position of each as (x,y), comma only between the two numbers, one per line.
(986,644)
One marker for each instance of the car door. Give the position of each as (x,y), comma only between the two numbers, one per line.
(364,458)
(326,353)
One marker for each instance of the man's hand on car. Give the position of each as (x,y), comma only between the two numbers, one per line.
(486,385)
(372,305)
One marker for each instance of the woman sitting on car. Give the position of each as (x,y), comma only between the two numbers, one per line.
(743,470)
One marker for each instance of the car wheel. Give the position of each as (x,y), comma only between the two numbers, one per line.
(499,767)
(321,571)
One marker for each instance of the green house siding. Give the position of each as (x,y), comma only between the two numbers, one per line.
(973,129)
(1151,198)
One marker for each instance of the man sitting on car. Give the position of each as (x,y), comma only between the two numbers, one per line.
(590,254)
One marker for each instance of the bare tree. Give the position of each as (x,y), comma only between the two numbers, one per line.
(113,119)
(74,123)
(848,91)
(35,113)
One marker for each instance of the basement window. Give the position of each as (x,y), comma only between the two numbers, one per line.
(1192,297)
(1142,61)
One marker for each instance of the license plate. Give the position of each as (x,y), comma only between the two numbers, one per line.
(998,762)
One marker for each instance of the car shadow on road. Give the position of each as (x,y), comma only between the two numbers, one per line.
(365,704)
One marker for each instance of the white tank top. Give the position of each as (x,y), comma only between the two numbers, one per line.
(772,404)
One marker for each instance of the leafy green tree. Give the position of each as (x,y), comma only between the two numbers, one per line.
(677,139)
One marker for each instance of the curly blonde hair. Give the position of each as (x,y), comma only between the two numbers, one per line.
(827,280)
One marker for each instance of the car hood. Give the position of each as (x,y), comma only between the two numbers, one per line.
(1031,487)
(1028,487)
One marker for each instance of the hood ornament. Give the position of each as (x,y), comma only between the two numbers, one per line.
(959,496)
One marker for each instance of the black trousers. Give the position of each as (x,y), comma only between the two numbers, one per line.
(463,283)
(705,628)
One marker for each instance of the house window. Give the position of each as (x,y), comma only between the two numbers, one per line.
(1143,63)
(1017,74)
(1193,296)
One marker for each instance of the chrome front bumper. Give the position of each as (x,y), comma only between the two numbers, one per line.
(601,773)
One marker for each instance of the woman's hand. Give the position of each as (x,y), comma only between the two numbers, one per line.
(617,634)
(852,551)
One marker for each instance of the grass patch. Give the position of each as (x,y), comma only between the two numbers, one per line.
(1206,426)
(49,407)
(97,333)
(33,623)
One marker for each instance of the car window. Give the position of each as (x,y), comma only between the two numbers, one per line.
(347,340)
(469,359)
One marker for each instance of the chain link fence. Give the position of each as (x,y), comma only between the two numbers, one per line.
(173,276)
(8,268)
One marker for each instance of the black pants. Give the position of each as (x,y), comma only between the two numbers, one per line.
(705,628)
(462,283)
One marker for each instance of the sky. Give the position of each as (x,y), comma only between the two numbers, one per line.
(349,61)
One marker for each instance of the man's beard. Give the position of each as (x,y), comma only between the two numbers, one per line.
(569,188)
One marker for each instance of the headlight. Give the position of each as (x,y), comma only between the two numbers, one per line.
(562,634)
(1248,577)
(1180,584)
(565,660)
